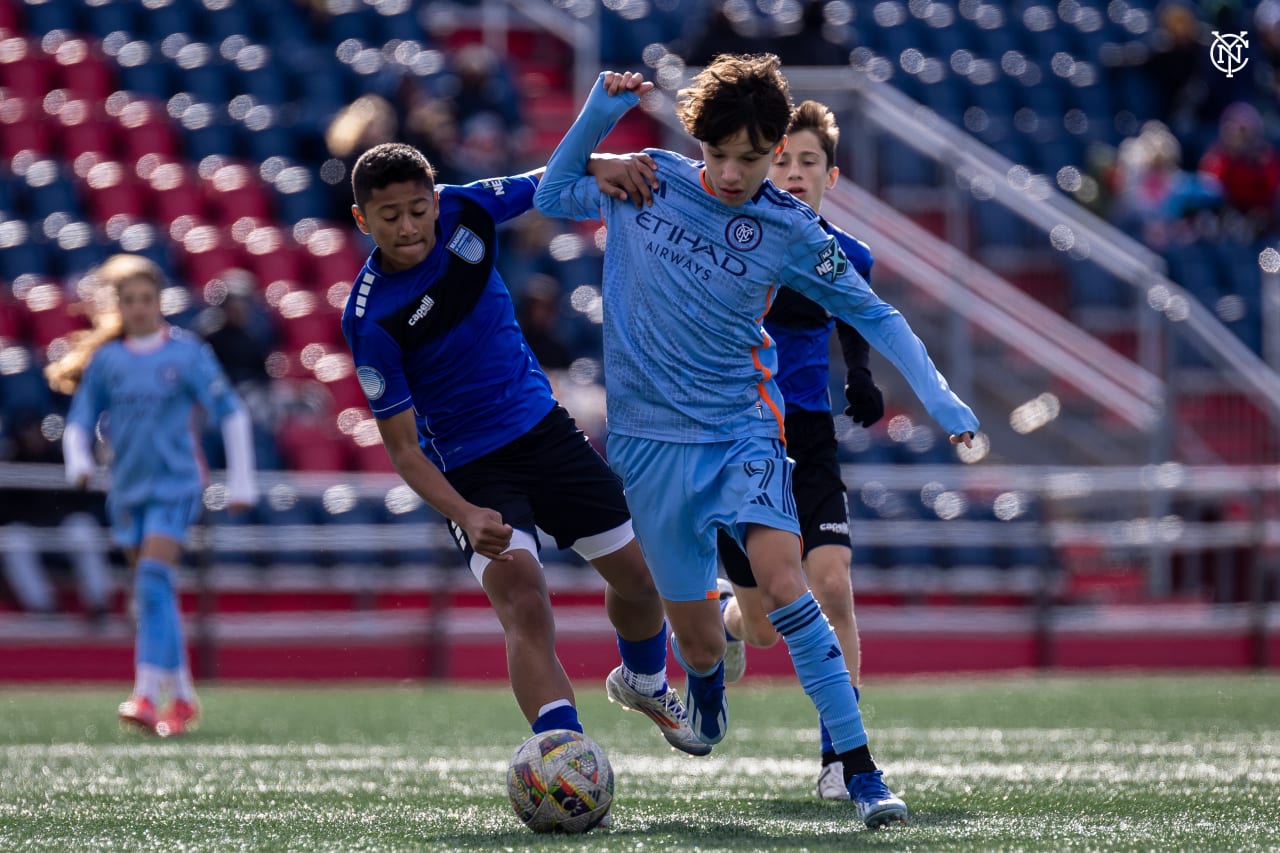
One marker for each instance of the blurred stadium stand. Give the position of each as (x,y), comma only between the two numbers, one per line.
(195,133)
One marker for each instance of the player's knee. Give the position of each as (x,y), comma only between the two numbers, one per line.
(758,631)
(835,600)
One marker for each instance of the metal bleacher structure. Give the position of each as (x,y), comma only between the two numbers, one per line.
(1130,448)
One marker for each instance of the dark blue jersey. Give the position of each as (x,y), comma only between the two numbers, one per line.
(802,330)
(441,337)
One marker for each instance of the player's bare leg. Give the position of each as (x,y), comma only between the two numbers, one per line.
(518,592)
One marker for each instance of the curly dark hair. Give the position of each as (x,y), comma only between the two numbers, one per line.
(386,164)
(737,92)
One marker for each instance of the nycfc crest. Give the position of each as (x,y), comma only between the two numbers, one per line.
(1227,52)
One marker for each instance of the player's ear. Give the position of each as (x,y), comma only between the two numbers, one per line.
(833,174)
(359,217)
(779,148)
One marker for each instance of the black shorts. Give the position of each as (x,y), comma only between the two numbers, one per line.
(550,478)
(822,500)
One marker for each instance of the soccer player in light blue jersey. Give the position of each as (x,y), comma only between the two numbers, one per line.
(695,417)
(802,330)
(148,379)
(469,421)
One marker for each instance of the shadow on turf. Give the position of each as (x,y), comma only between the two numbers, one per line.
(791,823)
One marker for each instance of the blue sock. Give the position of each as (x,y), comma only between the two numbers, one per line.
(819,663)
(159,642)
(825,735)
(728,635)
(557,715)
(705,688)
(645,657)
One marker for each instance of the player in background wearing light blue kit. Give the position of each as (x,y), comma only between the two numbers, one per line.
(148,379)
(470,424)
(695,418)
(802,330)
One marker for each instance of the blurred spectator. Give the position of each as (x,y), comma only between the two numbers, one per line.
(811,41)
(237,340)
(83,540)
(1266,38)
(1157,198)
(362,124)
(1175,59)
(1246,165)
(539,316)
(727,28)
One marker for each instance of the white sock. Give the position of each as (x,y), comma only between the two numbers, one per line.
(183,687)
(649,684)
(147,680)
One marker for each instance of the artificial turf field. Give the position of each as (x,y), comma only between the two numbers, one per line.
(1122,762)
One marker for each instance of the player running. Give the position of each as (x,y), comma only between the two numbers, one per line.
(469,421)
(802,329)
(148,378)
(695,417)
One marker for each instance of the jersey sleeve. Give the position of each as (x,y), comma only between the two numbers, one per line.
(566,190)
(816,266)
(90,398)
(379,368)
(502,198)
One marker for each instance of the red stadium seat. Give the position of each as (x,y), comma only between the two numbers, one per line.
(203,266)
(25,70)
(94,135)
(111,189)
(147,130)
(287,261)
(312,443)
(235,191)
(23,128)
(84,71)
(175,192)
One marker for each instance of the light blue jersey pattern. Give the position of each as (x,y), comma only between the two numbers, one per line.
(687,283)
(149,399)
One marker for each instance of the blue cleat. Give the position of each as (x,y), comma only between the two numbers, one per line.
(877,805)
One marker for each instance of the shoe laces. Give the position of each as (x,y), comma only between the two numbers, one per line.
(869,787)
(672,704)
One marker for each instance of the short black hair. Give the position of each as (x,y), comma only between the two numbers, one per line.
(387,164)
(737,92)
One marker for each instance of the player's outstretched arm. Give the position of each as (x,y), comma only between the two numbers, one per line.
(610,98)
(484,527)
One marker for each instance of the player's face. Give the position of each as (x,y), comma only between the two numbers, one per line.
(139,300)
(735,170)
(802,169)
(401,219)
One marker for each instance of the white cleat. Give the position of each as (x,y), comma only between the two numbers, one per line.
(666,711)
(831,782)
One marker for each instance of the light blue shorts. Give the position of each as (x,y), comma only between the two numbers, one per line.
(170,519)
(681,494)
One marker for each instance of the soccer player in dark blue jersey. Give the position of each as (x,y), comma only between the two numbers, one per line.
(148,379)
(802,330)
(695,416)
(469,421)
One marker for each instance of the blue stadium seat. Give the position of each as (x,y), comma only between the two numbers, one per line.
(43,18)
(101,19)
(152,79)
(209,84)
(29,256)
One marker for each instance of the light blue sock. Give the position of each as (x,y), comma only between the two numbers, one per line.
(825,735)
(557,715)
(819,663)
(159,642)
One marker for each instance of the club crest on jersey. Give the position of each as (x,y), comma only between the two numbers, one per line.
(167,374)
(831,261)
(744,232)
(466,245)
(371,382)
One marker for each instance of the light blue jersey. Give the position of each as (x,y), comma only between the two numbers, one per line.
(150,399)
(688,282)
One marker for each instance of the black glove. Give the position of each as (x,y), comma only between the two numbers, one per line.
(866,401)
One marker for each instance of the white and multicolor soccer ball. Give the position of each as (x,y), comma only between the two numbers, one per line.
(560,781)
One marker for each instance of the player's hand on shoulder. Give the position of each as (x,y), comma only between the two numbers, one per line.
(625,176)
(615,83)
(488,533)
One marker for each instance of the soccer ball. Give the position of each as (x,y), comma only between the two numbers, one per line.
(560,781)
